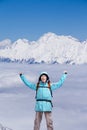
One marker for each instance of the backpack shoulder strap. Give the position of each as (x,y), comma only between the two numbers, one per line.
(37,86)
(49,86)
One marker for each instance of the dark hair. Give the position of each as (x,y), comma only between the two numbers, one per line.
(45,75)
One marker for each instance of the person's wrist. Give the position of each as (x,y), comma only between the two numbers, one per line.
(20,74)
(65,72)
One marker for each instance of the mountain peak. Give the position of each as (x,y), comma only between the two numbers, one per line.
(5,43)
(47,37)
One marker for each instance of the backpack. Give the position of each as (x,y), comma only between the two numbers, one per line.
(49,86)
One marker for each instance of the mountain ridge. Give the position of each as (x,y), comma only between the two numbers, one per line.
(49,48)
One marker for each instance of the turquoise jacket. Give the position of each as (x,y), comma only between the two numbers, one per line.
(43,92)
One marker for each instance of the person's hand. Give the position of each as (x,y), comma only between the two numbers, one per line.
(20,74)
(65,72)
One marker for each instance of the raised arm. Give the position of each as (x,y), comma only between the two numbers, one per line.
(60,82)
(27,83)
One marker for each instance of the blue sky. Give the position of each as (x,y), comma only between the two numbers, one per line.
(30,19)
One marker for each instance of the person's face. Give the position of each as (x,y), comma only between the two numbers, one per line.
(43,78)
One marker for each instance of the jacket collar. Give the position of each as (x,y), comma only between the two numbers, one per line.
(43,84)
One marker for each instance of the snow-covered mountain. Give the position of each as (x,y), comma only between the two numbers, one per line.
(50,48)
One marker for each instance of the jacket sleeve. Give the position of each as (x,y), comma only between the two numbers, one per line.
(59,83)
(27,83)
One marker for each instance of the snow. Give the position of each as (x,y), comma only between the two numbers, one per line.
(5,43)
(17,101)
(49,48)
